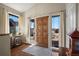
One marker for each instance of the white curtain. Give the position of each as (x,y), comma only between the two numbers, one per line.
(2,20)
(70,20)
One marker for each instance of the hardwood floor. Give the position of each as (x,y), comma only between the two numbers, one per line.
(17,51)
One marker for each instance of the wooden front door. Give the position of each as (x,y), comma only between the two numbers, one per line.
(39,31)
(42,31)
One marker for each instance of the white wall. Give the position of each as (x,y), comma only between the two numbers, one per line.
(44,8)
(26,28)
(8,9)
(41,10)
(4,10)
(4,29)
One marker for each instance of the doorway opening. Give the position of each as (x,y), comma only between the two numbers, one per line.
(32,31)
(55,31)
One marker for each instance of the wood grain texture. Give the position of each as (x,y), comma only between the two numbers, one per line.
(42,31)
(17,51)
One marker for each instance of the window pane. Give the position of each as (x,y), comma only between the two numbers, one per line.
(55,22)
(32,23)
(13,22)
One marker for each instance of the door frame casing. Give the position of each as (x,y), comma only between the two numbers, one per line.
(35,31)
(61,13)
(62,37)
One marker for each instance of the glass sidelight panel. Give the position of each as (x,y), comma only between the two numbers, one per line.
(56,23)
(32,31)
(55,31)
(32,26)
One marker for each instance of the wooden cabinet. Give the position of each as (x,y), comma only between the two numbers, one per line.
(74,42)
(42,31)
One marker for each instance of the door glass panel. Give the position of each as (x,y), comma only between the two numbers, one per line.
(32,26)
(32,31)
(55,30)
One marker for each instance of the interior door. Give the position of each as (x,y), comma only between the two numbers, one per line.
(42,31)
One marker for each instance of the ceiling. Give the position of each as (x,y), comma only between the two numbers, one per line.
(21,7)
